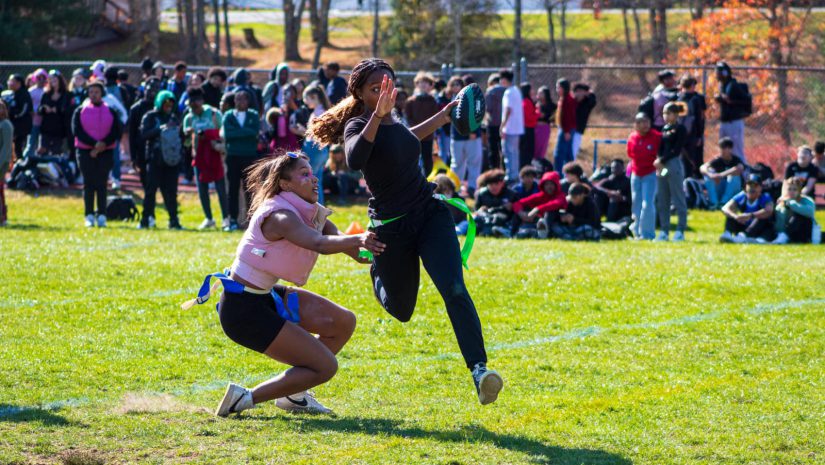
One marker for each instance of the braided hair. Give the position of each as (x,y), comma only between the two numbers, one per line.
(328,128)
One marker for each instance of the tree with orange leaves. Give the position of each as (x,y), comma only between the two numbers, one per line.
(758,33)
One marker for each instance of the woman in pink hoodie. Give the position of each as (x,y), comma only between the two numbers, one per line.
(288,229)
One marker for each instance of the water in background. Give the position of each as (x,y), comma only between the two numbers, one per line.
(350,5)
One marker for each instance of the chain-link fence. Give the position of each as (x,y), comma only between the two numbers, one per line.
(789,103)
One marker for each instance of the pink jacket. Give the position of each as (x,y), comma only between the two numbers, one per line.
(262,262)
(97,121)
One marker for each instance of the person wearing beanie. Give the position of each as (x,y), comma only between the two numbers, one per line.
(96,128)
(20,108)
(98,69)
(161,171)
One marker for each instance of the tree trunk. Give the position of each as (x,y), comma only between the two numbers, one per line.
(551,29)
(662,27)
(314,20)
(226,32)
(181,33)
(216,51)
(292,30)
(517,33)
(697,9)
(376,25)
(456,16)
(563,24)
(202,40)
(777,24)
(655,49)
(324,12)
(640,55)
(191,41)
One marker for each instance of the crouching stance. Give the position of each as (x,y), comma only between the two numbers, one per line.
(287,232)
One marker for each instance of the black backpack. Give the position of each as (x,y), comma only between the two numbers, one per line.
(695,194)
(747,107)
(122,208)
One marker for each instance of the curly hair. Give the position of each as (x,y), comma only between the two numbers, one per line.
(328,128)
(264,177)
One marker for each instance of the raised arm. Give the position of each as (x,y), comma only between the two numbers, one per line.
(423,130)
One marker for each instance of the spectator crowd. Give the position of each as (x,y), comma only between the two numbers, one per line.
(178,127)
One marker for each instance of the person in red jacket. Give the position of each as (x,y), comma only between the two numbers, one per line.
(566,122)
(527,144)
(549,199)
(642,149)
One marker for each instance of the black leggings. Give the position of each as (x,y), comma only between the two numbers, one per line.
(95,179)
(427,156)
(235,172)
(757,228)
(428,233)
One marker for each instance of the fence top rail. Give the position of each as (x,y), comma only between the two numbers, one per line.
(662,66)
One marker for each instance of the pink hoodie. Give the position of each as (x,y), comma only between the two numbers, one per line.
(262,262)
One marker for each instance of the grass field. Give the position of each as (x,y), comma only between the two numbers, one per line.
(612,353)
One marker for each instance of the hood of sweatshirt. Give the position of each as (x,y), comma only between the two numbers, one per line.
(241,77)
(162,97)
(276,71)
(550,176)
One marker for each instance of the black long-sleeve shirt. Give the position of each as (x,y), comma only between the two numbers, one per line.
(137,145)
(390,167)
(674,137)
(586,213)
(583,109)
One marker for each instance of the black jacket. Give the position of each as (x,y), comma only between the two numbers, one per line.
(737,108)
(211,95)
(55,124)
(137,145)
(20,112)
(583,110)
(150,132)
(694,121)
(586,213)
(674,137)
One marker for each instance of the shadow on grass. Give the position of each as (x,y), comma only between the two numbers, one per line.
(538,451)
(22,414)
(34,227)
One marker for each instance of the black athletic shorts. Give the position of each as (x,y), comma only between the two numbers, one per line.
(252,320)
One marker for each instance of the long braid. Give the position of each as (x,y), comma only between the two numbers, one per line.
(328,128)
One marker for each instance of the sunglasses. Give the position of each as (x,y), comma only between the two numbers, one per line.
(293,155)
(54,72)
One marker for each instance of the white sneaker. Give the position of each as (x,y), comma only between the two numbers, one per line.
(236,399)
(781,238)
(740,238)
(101,221)
(488,383)
(662,237)
(90,221)
(542,230)
(115,184)
(679,236)
(207,224)
(726,237)
(303,402)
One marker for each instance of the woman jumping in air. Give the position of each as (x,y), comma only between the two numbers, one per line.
(287,232)
(403,212)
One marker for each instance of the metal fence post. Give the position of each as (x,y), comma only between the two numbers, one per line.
(523,71)
(516,77)
(445,72)
(705,81)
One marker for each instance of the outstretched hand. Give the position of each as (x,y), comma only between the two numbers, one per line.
(447,112)
(386,99)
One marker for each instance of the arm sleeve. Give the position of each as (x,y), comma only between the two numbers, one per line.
(802,207)
(115,131)
(78,131)
(187,122)
(149,127)
(357,148)
(555,204)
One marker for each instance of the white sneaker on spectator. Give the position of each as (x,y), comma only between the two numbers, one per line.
(662,237)
(225,223)
(90,221)
(302,402)
(740,238)
(781,238)
(101,221)
(760,240)
(726,237)
(115,184)
(541,229)
(679,236)
(207,224)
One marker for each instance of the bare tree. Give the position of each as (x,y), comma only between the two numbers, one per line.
(292,29)
(455,13)
(517,32)
(202,42)
(216,51)
(226,33)
(376,24)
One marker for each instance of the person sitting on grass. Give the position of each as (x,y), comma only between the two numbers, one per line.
(529,210)
(494,203)
(444,186)
(723,174)
(819,160)
(794,219)
(749,214)
(580,221)
(613,193)
(338,178)
(527,184)
(573,173)
(804,170)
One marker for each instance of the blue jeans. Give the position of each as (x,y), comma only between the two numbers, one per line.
(510,152)
(116,166)
(203,194)
(720,193)
(443,147)
(33,143)
(563,153)
(644,210)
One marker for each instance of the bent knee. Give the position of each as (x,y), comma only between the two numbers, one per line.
(327,369)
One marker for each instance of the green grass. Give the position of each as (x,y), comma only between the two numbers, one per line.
(616,352)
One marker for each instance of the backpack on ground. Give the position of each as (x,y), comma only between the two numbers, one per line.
(121,208)
(170,145)
(617,230)
(695,194)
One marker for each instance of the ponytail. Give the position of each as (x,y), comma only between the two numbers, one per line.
(328,128)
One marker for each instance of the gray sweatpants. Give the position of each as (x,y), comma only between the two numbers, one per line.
(670,191)
(736,131)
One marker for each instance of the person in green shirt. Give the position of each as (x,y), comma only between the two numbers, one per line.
(200,118)
(794,219)
(240,131)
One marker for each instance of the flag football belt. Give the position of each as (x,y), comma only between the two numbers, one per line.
(288,310)
(466,249)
